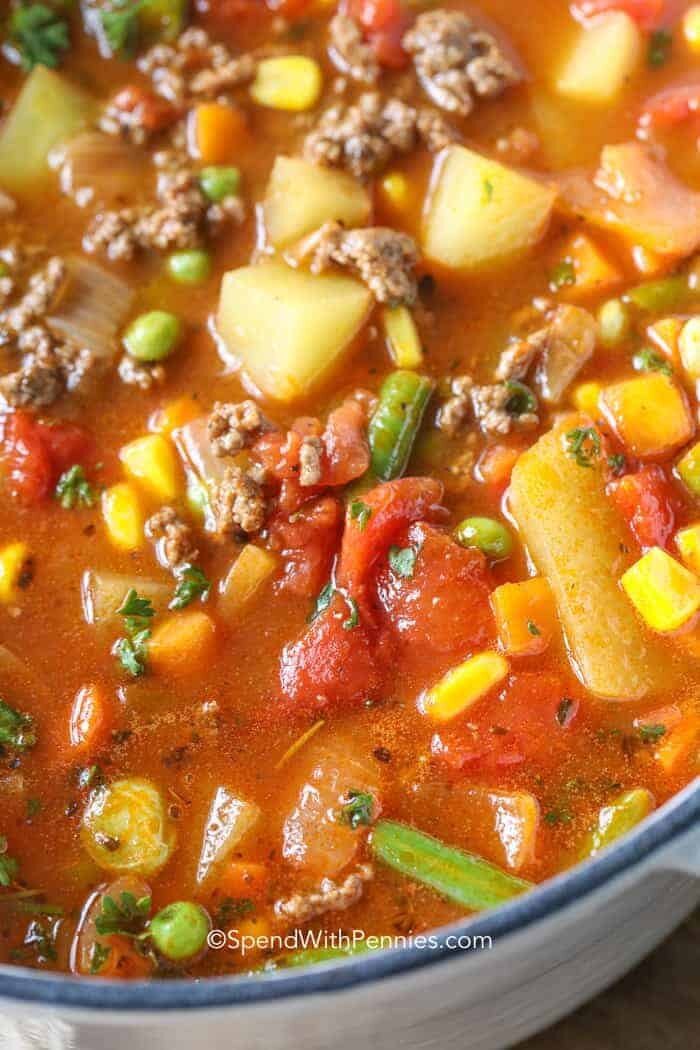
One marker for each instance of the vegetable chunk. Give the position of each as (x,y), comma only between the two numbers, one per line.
(665,594)
(289,329)
(126,829)
(605,54)
(575,539)
(479,211)
(650,414)
(301,196)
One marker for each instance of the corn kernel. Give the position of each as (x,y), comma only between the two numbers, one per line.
(664,593)
(650,414)
(173,415)
(151,461)
(689,347)
(13,558)
(402,336)
(691,28)
(688,544)
(395,190)
(121,510)
(688,469)
(289,82)
(586,398)
(464,685)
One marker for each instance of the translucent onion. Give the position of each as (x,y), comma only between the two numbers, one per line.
(92,309)
(95,168)
(104,592)
(230,818)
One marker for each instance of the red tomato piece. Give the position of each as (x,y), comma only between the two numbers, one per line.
(308,544)
(442,608)
(151,111)
(331,664)
(645,499)
(384,23)
(389,508)
(36,454)
(649,14)
(346,451)
(674,105)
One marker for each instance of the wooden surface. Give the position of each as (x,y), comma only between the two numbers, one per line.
(655,1007)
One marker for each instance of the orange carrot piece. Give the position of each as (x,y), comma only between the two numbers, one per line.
(242,879)
(526,616)
(496,464)
(217,132)
(182,645)
(677,745)
(90,718)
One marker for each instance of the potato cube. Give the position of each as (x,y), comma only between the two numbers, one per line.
(301,196)
(289,329)
(479,211)
(121,510)
(665,594)
(606,52)
(151,461)
(688,545)
(649,414)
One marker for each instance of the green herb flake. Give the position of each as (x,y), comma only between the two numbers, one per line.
(323,600)
(651,733)
(128,916)
(74,490)
(659,52)
(402,561)
(192,584)
(119,24)
(360,513)
(648,360)
(486,191)
(16,728)
(99,954)
(40,35)
(8,865)
(557,816)
(357,811)
(522,401)
(563,275)
(584,445)
(354,617)
(33,807)
(231,910)
(617,464)
(132,651)
(533,628)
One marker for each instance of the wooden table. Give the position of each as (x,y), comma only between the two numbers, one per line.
(655,1007)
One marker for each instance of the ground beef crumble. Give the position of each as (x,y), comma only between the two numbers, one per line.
(363,137)
(349,51)
(195,67)
(173,538)
(331,896)
(310,457)
(232,427)
(487,404)
(238,503)
(561,347)
(457,62)
(385,259)
(141,375)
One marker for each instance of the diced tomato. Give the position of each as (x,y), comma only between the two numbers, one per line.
(346,451)
(384,23)
(442,608)
(649,14)
(332,663)
(645,499)
(308,544)
(496,465)
(153,112)
(674,105)
(529,722)
(35,454)
(388,509)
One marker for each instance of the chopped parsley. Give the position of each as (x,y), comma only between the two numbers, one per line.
(33,807)
(119,24)
(557,816)
(584,445)
(648,360)
(191,584)
(660,43)
(132,650)
(521,400)
(40,35)
(16,728)
(402,561)
(651,733)
(354,617)
(128,916)
(74,490)
(357,811)
(99,954)
(562,275)
(323,600)
(232,909)
(533,628)
(8,865)
(360,513)
(486,191)
(617,464)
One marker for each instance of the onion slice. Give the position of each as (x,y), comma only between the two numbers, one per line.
(92,309)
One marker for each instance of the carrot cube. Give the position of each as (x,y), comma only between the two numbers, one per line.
(526,616)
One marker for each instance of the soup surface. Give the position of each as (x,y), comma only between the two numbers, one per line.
(349,534)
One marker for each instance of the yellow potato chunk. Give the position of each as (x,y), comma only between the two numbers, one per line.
(575,537)
(123,516)
(301,196)
(665,594)
(688,546)
(649,414)
(479,211)
(126,828)
(289,329)
(13,559)
(605,54)
(463,686)
(151,461)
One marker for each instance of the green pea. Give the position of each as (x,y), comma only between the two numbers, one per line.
(489,535)
(218,182)
(191,267)
(179,931)
(614,322)
(152,336)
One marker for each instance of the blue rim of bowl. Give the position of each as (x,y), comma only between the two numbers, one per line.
(671,821)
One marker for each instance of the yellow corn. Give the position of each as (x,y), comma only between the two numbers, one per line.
(151,461)
(13,558)
(290,82)
(689,469)
(689,347)
(249,571)
(464,685)
(586,398)
(688,544)
(402,336)
(175,414)
(664,592)
(395,190)
(650,414)
(691,28)
(121,510)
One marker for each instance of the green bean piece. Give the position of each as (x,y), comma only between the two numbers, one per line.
(162,19)
(189,267)
(393,428)
(614,322)
(218,181)
(488,535)
(179,931)
(616,819)
(657,296)
(462,877)
(314,956)
(152,336)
